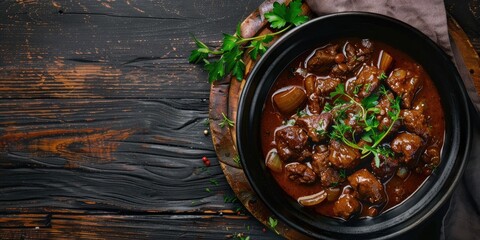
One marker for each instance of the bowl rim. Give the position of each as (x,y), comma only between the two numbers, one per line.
(461,159)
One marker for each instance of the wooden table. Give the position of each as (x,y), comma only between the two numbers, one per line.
(102,120)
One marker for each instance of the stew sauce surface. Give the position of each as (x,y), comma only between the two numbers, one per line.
(321,171)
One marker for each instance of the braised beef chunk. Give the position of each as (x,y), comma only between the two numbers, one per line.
(329,177)
(358,53)
(431,156)
(365,83)
(406,144)
(346,206)
(300,173)
(383,117)
(368,187)
(326,85)
(388,167)
(319,159)
(292,143)
(315,103)
(321,166)
(315,125)
(343,156)
(415,121)
(323,59)
(405,84)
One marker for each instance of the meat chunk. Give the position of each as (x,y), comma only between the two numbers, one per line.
(292,143)
(346,206)
(315,103)
(355,55)
(388,167)
(300,173)
(384,119)
(358,53)
(319,159)
(365,83)
(329,177)
(431,156)
(326,86)
(406,144)
(368,187)
(415,121)
(343,156)
(322,60)
(405,84)
(321,167)
(315,125)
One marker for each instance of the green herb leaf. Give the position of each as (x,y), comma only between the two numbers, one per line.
(382,76)
(277,16)
(293,15)
(214,182)
(339,90)
(236,159)
(216,69)
(272,222)
(301,113)
(328,107)
(281,14)
(229,42)
(257,48)
(367,138)
(232,48)
(229,199)
(226,121)
(267,38)
(370,101)
(377,159)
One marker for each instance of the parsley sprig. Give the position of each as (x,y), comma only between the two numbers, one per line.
(367,117)
(229,55)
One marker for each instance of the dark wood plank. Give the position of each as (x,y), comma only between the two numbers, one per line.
(109,49)
(80,168)
(126,155)
(114,226)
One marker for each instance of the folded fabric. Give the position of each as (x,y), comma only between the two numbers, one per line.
(427,16)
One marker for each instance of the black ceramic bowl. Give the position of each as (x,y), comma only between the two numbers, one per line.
(429,197)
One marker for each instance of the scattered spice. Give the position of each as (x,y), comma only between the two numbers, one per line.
(206,161)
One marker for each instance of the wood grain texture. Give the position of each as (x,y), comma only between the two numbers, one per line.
(102,120)
(115,226)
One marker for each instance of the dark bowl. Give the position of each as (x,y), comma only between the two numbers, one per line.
(435,191)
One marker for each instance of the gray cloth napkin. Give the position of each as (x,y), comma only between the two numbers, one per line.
(462,219)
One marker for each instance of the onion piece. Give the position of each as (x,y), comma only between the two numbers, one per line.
(333,194)
(312,200)
(289,101)
(273,161)
(385,61)
(402,172)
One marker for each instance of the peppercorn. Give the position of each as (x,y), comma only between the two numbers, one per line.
(206,161)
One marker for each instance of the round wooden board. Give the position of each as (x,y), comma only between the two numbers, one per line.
(224,98)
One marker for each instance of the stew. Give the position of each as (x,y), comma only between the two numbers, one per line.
(352,129)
